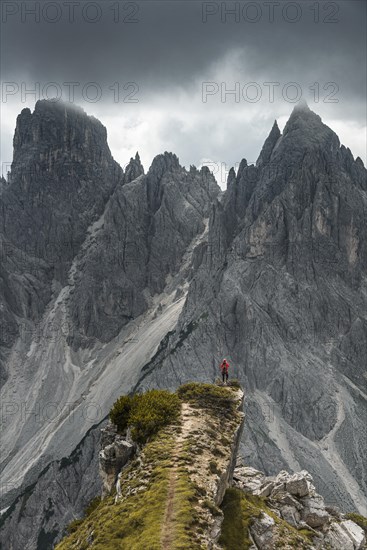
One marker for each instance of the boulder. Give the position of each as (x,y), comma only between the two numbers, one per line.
(265,489)
(285,499)
(314,513)
(108,435)
(337,538)
(299,484)
(354,532)
(248,479)
(290,514)
(262,531)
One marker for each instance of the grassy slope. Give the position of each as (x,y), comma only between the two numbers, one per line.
(166,502)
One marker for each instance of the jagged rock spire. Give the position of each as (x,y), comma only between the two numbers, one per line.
(269,145)
(231,177)
(134,169)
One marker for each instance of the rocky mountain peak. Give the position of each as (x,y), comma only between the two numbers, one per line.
(134,169)
(61,158)
(305,130)
(231,177)
(286,263)
(302,105)
(57,134)
(269,145)
(276,283)
(166,162)
(242,166)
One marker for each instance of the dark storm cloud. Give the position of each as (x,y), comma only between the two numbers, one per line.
(169,49)
(171,44)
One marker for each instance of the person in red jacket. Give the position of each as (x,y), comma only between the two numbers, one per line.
(224,368)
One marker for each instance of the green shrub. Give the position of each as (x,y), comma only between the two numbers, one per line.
(146,414)
(120,412)
(151,411)
(209,396)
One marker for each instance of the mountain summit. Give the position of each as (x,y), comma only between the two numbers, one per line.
(120,281)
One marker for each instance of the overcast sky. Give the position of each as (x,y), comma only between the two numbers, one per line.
(158,73)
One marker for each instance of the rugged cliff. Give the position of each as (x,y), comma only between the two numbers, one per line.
(281,292)
(95,269)
(94,272)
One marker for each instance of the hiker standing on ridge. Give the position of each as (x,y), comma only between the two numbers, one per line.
(224,368)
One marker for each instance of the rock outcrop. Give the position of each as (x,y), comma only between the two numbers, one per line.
(293,498)
(115,452)
(147,227)
(170,493)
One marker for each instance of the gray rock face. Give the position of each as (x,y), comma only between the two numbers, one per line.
(37,518)
(134,169)
(96,268)
(147,226)
(226,478)
(314,513)
(281,291)
(262,531)
(61,178)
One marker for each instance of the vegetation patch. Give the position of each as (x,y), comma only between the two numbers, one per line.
(145,414)
(212,398)
(137,520)
(234,383)
(120,412)
(213,467)
(93,505)
(240,509)
(234,535)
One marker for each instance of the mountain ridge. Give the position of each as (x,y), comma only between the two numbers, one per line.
(274,270)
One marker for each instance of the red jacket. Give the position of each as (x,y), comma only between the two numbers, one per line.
(224,366)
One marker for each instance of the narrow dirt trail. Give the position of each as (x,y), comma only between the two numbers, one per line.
(168,522)
(189,423)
